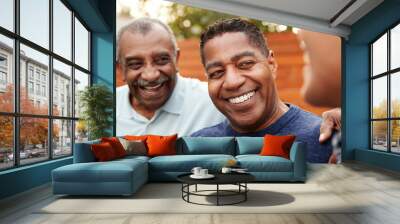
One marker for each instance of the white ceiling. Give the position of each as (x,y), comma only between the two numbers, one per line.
(327,16)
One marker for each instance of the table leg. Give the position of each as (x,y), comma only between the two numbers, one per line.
(245,191)
(217,194)
(196,188)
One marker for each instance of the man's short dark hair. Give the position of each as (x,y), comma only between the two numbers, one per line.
(254,35)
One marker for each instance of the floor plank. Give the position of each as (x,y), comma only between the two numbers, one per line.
(377,189)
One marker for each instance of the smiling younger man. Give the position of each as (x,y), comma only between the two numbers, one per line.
(157,100)
(241,74)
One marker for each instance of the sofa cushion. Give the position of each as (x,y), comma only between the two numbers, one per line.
(134,147)
(277,145)
(185,163)
(207,145)
(83,152)
(112,171)
(249,145)
(161,145)
(257,163)
(116,145)
(103,152)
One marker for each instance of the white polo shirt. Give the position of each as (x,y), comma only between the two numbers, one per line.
(188,109)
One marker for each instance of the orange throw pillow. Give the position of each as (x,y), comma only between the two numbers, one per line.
(275,145)
(161,145)
(116,145)
(103,152)
(135,137)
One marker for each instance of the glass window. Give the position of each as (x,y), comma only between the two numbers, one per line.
(81,131)
(379,133)
(6,142)
(62,72)
(395,95)
(7,14)
(30,88)
(34,79)
(81,81)
(62,137)
(379,56)
(6,73)
(395,136)
(33,140)
(395,47)
(34,21)
(385,92)
(62,29)
(81,45)
(40,62)
(379,98)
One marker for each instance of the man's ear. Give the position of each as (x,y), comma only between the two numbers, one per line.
(178,53)
(119,71)
(272,64)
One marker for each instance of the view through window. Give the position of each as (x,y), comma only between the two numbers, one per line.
(44,64)
(385,91)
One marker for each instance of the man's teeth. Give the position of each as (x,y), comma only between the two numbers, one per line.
(152,87)
(242,98)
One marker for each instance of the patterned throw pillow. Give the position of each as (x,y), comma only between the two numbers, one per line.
(134,147)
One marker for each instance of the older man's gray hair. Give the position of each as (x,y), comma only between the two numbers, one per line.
(144,25)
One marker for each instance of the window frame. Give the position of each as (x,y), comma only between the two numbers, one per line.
(388,74)
(16,115)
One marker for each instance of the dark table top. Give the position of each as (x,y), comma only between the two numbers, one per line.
(220,178)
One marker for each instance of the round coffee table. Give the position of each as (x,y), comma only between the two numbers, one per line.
(238,179)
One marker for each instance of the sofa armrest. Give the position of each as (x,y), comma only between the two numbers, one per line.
(83,152)
(298,155)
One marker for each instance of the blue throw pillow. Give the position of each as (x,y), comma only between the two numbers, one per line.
(249,145)
(207,145)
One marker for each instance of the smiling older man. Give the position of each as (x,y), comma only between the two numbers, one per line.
(156,99)
(241,83)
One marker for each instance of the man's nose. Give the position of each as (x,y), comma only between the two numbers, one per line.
(233,79)
(150,73)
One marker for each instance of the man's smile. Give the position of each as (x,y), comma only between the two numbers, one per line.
(242,98)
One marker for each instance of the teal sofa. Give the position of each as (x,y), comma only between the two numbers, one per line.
(125,176)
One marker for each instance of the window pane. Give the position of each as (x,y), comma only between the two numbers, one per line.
(395,136)
(395,47)
(395,94)
(7,14)
(33,139)
(81,131)
(62,89)
(35,21)
(62,138)
(34,78)
(62,29)
(6,74)
(81,45)
(379,97)
(379,135)
(6,142)
(379,55)
(81,81)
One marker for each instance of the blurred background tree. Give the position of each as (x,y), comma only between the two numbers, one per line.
(188,22)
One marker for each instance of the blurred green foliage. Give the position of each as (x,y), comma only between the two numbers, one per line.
(187,22)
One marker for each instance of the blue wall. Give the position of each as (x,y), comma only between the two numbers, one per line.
(99,16)
(356,85)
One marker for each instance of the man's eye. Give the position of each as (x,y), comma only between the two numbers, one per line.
(246,64)
(135,65)
(216,74)
(162,60)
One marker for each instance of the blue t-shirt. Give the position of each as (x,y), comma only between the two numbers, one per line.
(304,125)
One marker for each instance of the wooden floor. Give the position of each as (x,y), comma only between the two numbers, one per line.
(378,188)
